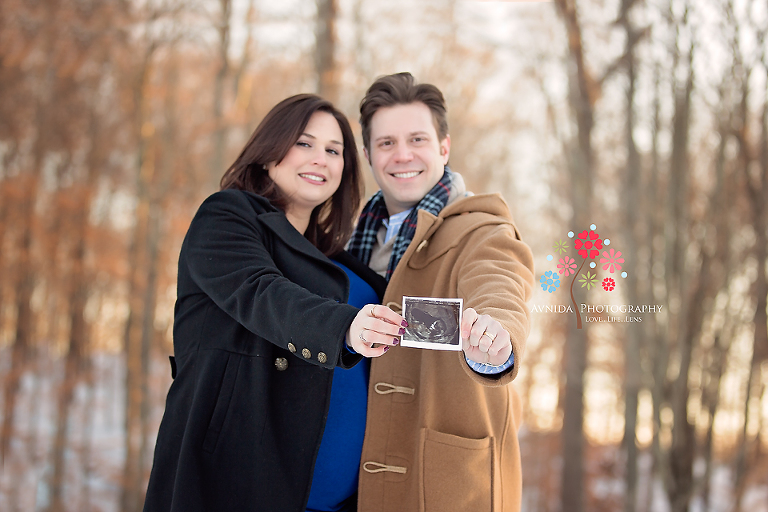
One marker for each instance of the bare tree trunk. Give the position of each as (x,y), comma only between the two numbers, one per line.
(581,97)
(152,243)
(711,388)
(682,451)
(683,448)
(572,487)
(134,361)
(22,344)
(132,472)
(4,267)
(241,83)
(77,368)
(155,234)
(5,286)
(220,135)
(660,347)
(25,272)
(712,398)
(363,59)
(679,483)
(153,184)
(87,420)
(325,50)
(650,345)
(757,191)
(632,368)
(51,240)
(73,368)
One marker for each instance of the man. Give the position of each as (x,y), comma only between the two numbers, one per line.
(441,430)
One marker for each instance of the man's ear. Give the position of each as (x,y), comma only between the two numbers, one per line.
(445,148)
(367,156)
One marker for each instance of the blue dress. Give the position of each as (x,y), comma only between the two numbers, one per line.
(335,476)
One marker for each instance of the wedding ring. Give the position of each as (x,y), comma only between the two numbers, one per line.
(489,336)
(361,337)
(373,311)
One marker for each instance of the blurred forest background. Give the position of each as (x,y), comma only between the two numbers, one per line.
(648,118)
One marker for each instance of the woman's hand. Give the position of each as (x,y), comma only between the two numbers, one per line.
(484,340)
(374,330)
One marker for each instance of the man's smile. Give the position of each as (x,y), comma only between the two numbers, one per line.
(405,175)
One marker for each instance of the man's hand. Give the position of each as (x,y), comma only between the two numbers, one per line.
(484,340)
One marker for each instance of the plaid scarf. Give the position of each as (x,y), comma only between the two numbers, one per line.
(374,213)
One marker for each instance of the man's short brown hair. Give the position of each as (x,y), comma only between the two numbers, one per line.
(401,89)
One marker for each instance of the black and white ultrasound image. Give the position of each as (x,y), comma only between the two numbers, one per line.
(432,321)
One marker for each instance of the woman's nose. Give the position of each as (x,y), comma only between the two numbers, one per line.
(320,157)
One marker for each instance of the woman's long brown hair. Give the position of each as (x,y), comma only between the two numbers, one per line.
(331,223)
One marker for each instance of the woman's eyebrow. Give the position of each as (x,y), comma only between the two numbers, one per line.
(313,137)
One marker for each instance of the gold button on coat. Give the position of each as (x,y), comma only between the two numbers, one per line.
(322,357)
(306,353)
(292,348)
(281,364)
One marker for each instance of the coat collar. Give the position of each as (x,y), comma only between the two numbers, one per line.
(276,221)
(492,204)
(486,209)
(279,224)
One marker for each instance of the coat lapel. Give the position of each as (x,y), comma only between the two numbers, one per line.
(280,226)
(278,223)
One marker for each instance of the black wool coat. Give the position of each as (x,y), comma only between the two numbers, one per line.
(260,322)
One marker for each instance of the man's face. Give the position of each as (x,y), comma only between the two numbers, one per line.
(406,157)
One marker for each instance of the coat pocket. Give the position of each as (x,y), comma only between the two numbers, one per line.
(222,403)
(457,473)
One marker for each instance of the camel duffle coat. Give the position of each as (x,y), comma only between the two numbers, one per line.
(439,436)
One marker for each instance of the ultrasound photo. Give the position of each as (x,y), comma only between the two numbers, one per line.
(432,323)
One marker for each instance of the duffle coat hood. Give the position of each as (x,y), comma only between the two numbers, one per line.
(439,436)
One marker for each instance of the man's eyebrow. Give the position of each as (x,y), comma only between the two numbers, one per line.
(411,134)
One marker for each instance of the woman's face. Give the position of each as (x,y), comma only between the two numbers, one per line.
(311,171)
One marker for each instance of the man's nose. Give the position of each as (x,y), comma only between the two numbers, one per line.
(403,153)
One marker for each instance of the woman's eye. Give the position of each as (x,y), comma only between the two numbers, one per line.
(332,151)
(303,144)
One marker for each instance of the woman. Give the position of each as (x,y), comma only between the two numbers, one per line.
(261,321)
